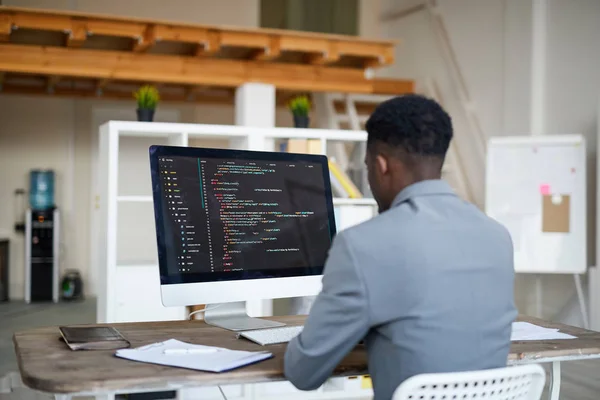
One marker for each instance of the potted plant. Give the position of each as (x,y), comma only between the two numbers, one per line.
(300,106)
(147,98)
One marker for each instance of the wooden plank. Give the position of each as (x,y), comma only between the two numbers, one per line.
(244,39)
(198,307)
(329,56)
(6,24)
(43,359)
(51,84)
(385,58)
(191,94)
(323,48)
(100,85)
(587,344)
(39,21)
(147,40)
(304,44)
(271,52)
(119,29)
(108,94)
(98,64)
(77,35)
(212,39)
(393,86)
(63,23)
(210,45)
(183,34)
(144,21)
(100,370)
(361,108)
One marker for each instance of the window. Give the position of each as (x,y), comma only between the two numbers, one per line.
(324,16)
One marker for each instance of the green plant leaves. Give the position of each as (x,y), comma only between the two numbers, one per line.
(300,105)
(147,97)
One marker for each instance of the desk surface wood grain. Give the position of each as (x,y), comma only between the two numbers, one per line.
(47,365)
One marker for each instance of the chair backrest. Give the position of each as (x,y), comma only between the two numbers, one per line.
(524,382)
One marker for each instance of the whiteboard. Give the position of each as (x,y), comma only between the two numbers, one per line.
(536,188)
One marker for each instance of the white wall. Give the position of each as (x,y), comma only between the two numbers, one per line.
(493,43)
(572,94)
(368,24)
(59,133)
(40,132)
(37,132)
(573,82)
(37,139)
(490,42)
(221,12)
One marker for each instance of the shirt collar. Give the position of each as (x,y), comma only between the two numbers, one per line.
(423,188)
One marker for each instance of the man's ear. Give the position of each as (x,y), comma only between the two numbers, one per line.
(382,163)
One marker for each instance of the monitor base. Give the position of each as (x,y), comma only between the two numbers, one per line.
(233,317)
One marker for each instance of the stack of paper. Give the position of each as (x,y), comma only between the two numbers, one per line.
(525,331)
(175,353)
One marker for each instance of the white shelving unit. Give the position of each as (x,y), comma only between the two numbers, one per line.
(129,289)
(128,276)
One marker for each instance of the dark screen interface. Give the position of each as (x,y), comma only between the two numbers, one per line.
(223,215)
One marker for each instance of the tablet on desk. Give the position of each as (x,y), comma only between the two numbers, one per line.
(92,337)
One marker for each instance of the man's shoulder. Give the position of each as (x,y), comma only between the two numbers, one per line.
(373,230)
(397,219)
(403,221)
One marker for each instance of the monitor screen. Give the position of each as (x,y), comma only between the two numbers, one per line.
(231,214)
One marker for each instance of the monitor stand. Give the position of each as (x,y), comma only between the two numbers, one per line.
(233,317)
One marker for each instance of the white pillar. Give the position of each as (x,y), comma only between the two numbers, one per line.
(255,106)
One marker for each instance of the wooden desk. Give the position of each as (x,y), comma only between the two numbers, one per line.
(47,365)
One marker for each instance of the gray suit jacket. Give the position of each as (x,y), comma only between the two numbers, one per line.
(427,284)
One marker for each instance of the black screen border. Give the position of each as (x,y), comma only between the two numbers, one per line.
(156,151)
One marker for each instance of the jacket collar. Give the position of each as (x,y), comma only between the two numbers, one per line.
(423,188)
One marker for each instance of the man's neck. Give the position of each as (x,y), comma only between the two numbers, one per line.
(416,178)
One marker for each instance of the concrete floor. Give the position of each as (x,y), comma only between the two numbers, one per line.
(580,380)
(17,316)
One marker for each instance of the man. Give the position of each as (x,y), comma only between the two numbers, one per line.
(428,284)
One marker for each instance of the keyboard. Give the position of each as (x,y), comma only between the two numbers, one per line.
(269,336)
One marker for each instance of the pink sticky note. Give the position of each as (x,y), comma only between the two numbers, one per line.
(545,189)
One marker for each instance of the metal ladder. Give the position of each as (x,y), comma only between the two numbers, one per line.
(328,117)
(453,170)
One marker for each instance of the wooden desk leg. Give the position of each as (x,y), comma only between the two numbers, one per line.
(554,381)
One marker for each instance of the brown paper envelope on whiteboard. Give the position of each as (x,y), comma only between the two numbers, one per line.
(556,213)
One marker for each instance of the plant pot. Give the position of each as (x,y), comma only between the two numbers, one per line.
(145,114)
(301,121)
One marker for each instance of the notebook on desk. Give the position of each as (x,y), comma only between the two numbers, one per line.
(175,353)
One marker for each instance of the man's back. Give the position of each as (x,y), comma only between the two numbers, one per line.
(440,279)
(436,275)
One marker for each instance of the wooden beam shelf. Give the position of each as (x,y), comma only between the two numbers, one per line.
(41,85)
(66,47)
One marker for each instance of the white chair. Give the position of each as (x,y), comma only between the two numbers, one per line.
(524,382)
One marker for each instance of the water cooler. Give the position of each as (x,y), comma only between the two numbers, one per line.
(41,240)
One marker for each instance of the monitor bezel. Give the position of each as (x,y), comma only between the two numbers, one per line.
(157,151)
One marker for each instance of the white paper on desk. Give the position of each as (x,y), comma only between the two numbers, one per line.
(522,331)
(219,361)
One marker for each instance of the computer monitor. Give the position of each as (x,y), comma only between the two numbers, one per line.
(238,225)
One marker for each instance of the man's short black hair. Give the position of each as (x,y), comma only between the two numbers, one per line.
(412,124)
